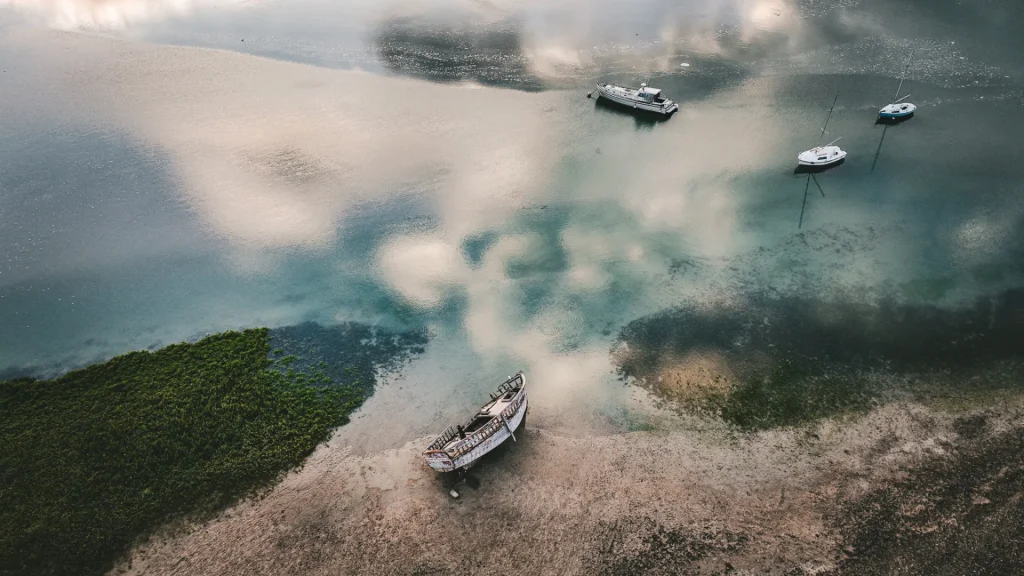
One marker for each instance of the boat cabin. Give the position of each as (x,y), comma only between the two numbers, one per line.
(648,94)
(488,412)
(821,156)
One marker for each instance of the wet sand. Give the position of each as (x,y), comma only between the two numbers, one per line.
(798,501)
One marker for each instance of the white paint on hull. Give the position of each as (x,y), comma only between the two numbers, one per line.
(630,97)
(821,156)
(447,454)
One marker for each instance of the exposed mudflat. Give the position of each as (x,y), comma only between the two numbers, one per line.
(956,515)
(902,490)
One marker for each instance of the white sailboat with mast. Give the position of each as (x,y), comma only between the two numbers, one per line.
(899,110)
(821,157)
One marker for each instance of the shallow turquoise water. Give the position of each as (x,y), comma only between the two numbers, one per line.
(460,181)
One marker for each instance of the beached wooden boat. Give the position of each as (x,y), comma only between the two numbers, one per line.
(462,445)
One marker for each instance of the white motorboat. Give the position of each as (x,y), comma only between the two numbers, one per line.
(644,98)
(823,156)
(899,110)
(460,446)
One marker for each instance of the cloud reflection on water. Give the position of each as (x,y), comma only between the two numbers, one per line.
(653,36)
(112,14)
(276,157)
(538,45)
(529,46)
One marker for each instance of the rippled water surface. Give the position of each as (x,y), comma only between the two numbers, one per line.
(436,165)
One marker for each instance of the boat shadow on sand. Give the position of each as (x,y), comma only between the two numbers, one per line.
(644,120)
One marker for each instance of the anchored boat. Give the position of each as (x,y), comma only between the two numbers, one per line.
(644,98)
(899,110)
(462,445)
(821,157)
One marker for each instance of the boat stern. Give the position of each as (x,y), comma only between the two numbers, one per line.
(439,460)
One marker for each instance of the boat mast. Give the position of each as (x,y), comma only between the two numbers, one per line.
(827,118)
(903,77)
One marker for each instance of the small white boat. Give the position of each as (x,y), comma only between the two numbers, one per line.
(460,446)
(823,156)
(899,109)
(644,98)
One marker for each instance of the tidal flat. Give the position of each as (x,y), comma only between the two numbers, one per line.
(733,370)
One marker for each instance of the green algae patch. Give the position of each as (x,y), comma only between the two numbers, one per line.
(767,363)
(98,458)
(790,396)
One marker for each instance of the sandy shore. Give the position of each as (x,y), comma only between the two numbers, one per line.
(637,503)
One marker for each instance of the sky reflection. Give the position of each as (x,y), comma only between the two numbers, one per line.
(536,45)
(113,14)
(525,224)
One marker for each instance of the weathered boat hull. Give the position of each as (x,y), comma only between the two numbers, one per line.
(637,106)
(470,449)
(491,443)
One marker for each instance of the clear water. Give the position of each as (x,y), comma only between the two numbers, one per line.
(438,165)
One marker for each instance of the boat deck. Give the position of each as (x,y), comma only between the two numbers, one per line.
(644,99)
(488,412)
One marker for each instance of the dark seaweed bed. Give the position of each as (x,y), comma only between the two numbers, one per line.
(97,458)
(799,359)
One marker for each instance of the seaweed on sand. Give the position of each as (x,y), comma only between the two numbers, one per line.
(791,396)
(775,362)
(98,458)
(960,513)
